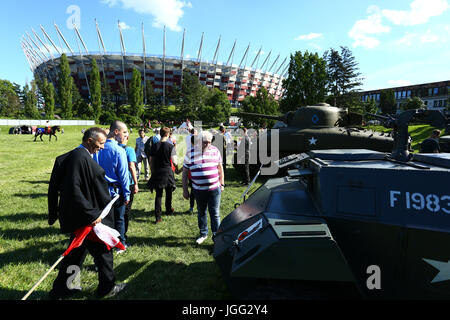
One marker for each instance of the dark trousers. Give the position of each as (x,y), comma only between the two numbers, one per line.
(119,218)
(127,213)
(158,201)
(246,172)
(103,259)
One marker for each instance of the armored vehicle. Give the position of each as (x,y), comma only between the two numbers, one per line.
(317,127)
(377,224)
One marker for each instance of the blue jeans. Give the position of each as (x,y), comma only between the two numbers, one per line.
(208,200)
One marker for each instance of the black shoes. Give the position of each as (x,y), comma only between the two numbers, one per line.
(114,291)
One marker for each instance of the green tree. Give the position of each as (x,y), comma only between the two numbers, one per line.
(306,81)
(65,88)
(193,96)
(343,78)
(208,115)
(136,97)
(30,102)
(152,98)
(48,93)
(262,103)
(96,91)
(388,104)
(9,99)
(413,103)
(369,106)
(218,100)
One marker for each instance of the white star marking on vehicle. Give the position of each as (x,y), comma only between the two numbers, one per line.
(443,267)
(312,141)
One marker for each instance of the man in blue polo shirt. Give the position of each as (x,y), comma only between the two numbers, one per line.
(113,159)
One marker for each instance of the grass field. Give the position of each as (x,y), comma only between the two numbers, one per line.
(163,263)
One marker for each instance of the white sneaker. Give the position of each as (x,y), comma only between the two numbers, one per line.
(201,239)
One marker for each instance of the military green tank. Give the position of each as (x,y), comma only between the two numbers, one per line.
(345,223)
(315,127)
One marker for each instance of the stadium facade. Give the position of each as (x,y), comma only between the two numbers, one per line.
(164,72)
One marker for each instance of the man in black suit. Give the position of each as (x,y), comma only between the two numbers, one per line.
(79,184)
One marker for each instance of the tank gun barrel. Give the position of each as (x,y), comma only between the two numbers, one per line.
(388,120)
(260,115)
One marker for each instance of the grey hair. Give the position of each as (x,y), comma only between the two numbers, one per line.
(207,136)
(93,133)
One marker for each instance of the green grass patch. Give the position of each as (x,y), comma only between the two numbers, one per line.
(164,261)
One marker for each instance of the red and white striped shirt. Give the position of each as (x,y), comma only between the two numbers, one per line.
(203,167)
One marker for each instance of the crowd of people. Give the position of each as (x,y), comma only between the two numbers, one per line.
(104,166)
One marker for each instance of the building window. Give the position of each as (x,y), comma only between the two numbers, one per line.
(408,93)
(435,91)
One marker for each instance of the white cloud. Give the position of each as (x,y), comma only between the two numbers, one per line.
(371,26)
(310,36)
(429,37)
(410,39)
(124,26)
(399,83)
(52,49)
(261,53)
(165,12)
(420,12)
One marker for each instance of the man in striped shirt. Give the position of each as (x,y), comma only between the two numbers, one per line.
(204,163)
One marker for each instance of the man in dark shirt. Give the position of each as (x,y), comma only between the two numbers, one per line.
(247,144)
(431,144)
(162,156)
(80,184)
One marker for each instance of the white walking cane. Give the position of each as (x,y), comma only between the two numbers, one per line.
(102,215)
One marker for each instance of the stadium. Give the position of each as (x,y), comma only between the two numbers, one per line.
(164,72)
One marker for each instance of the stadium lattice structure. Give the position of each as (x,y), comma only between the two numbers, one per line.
(164,72)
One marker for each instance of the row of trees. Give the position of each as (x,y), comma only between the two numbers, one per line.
(333,78)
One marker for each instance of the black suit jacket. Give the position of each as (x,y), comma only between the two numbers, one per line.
(78,191)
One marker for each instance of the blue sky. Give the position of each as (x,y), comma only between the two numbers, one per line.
(397,42)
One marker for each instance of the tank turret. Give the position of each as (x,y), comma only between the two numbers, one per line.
(318,127)
(318,115)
